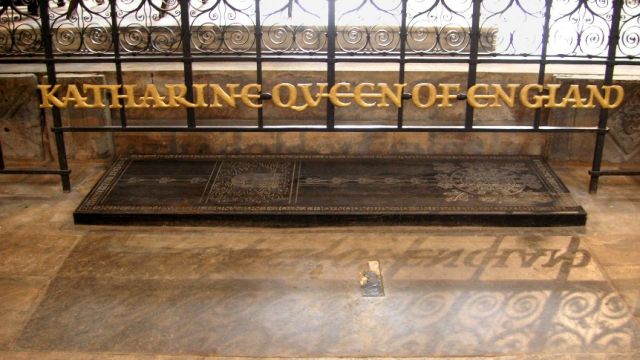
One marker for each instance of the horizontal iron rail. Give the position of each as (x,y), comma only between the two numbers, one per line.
(323,128)
(338,59)
(34,171)
(615,172)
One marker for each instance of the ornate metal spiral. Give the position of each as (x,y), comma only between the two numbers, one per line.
(512,27)
(310,39)
(278,38)
(368,27)
(223,26)
(149,26)
(83,29)
(20,32)
(352,39)
(580,27)
(438,26)
(27,39)
(629,45)
(294,26)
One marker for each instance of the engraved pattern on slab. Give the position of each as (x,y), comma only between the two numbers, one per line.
(252,182)
(242,198)
(489,182)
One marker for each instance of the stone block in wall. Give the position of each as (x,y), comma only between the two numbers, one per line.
(623,140)
(21,131)
(84,145)
(343,143)
(145,143)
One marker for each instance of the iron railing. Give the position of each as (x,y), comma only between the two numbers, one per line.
(473,32)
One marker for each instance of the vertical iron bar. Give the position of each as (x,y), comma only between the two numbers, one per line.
(403,41)
(331,61)
(614,36)
(474,37)
(258,35)
(187,61)
(543,57)
(52,80)
(1,157)
(115,39)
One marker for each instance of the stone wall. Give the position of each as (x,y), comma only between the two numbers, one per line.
(623,141)
(21,126)
(25,136)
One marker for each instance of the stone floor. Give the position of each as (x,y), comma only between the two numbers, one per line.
(116,292)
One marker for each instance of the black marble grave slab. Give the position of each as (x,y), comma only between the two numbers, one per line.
(308,190)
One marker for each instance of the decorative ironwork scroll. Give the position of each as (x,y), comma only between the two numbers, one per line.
(629,44)
(370,26)
(294,26)
(577,28)
(20,31)
(438,26)
(149,26)
(580,28)
(512,27)
(83,27)
(222,26)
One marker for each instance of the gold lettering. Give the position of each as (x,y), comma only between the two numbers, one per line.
(293,96)
(472,97)
(524,96)
(129,96)
(246,95)
(97,95)
(335,96)
(509,99)
(551,98)
(177,98)
(366,95)
(49,98)
(605,101)
(431,96)
(359,96)
(306,93)
(200,96)
(386,92)
(573,96)
(113,95)
(446,94)
(219,93)
(73,94)
(151,94)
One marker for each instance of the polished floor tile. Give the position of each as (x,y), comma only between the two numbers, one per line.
(18,299)
(299,296)
(32,253)
(186,293)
